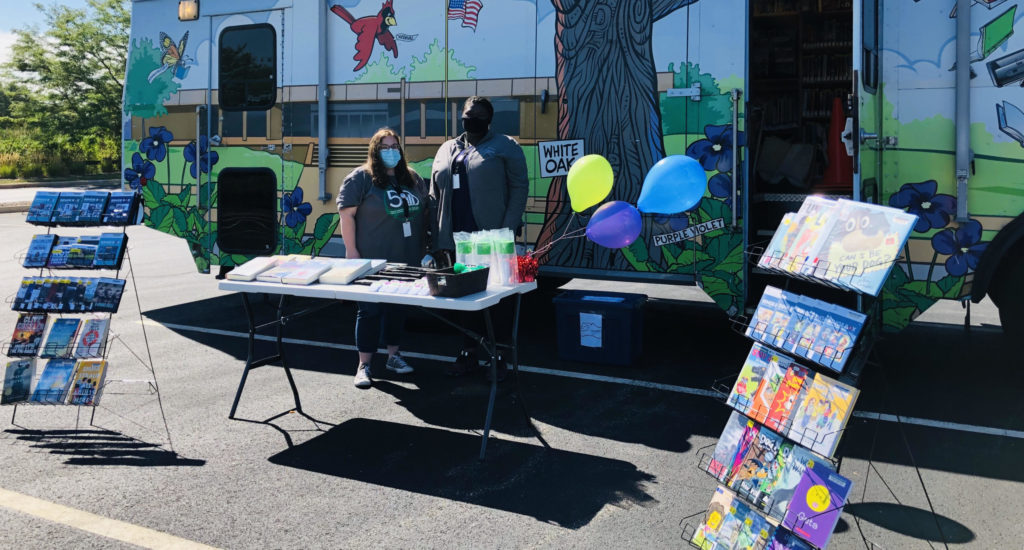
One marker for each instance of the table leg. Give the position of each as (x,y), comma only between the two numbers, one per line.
(493,352)
(280,353)
(514,355)
(250,352)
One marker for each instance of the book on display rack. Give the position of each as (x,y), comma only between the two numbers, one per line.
(91,338)
(61,338)
(53,383)
(18,380)
(28,335)
(39,250)
(87,382)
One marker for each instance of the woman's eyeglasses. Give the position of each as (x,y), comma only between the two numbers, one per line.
(394,147)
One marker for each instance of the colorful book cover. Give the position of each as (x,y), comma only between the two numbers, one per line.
(757,465)
(53,383)
(120,208)
(764,327)
(754,532)
(728,443)
(87,384)
(769,387)
(773,474)
(817,219)
(817,503)
(28,334)
(309,272)
(749,380)
(823,414)
(729,532)
(110,250)
(83,253)
(706,536)
(772,255)
(848,325)
(61,338)
(782,321)
(784,540)
(815,328)
(39,250)
(93,205)
(283,269)
(18,381)
(786,399)
(41,209)
(107,294)
(68,205)
(747,438)
(792,472)
(788,236)
(92,337)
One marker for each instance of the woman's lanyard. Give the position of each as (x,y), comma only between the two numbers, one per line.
(461,158)
(406,225)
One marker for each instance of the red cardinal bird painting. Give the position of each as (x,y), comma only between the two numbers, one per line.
(368,29)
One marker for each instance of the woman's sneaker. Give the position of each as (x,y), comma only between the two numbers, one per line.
(362,379)
(398,365)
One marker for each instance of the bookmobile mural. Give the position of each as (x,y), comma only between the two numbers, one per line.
(616,75)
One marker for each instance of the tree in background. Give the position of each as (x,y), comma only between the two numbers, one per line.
(62,87)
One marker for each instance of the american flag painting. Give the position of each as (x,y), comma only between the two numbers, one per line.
(466,10)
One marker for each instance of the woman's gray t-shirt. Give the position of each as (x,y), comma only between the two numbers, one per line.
(381,214)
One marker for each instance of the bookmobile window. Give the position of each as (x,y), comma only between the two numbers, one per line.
(248,68)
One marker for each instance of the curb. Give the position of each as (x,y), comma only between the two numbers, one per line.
(63,183)
(14,207)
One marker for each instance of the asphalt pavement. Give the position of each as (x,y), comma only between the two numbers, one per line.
(933,451)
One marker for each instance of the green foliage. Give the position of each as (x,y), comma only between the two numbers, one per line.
(681,115)
(60,95)
(431,67)
(381,70)
(143,98)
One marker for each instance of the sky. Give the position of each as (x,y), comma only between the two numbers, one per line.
(21,13)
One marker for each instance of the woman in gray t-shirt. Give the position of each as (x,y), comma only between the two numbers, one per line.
(383,208)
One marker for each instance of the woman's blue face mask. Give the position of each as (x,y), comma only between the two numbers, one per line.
(390,157)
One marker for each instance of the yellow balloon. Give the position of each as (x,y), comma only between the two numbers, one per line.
(589,181)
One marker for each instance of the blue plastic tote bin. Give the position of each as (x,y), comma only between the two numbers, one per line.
(600,327)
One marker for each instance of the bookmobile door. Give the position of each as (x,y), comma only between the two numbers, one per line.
(247,183)
(635,105)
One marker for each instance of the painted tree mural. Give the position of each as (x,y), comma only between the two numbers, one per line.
(608,97)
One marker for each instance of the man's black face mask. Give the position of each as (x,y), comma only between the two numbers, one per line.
(475,125)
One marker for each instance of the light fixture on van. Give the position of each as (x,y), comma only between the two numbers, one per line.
(188,10)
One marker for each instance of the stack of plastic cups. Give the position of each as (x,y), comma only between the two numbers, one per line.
(506,258)
(482,248)
(463,247)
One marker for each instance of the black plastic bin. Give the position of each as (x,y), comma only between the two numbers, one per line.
(447,283)
(600,327)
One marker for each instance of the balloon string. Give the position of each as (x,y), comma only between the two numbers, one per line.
(571,235)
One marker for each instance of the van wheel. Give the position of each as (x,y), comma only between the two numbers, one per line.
(1011,299)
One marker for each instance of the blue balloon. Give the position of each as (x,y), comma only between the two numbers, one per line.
(675,184)
(615,224)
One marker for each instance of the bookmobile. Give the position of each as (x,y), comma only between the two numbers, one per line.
(242,118)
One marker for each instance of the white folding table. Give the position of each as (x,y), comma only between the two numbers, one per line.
(481,301)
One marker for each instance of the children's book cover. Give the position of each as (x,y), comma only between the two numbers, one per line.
(728,442)
(18,381)
(785,540)
(87,385)
(706,536)
(28,334)
(754,532)
(849,324)
(53,383)
(823,414)
(772,255)
(773,474)
(757,465)
(817,211)
(41,209)
(730,530)
(780,323)
(817,503)
(747,439)
(773,376)
(792,472)
(741,397)
(92,337)
(765,324)
(39,250)
(786,399)
(61,337)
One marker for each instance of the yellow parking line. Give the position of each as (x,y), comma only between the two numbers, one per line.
(85,521)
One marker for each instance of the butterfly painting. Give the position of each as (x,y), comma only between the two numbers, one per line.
(172,57)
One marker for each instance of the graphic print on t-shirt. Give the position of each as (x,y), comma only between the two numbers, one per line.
(396,203)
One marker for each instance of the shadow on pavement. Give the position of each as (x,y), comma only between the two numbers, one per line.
(100,448)
(560,487)
(912,522)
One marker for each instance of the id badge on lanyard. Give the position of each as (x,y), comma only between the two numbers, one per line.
(406,225)
(460,158)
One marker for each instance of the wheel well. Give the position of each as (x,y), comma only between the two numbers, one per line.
(1008,242)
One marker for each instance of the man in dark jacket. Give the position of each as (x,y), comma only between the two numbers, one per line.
(478,182)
